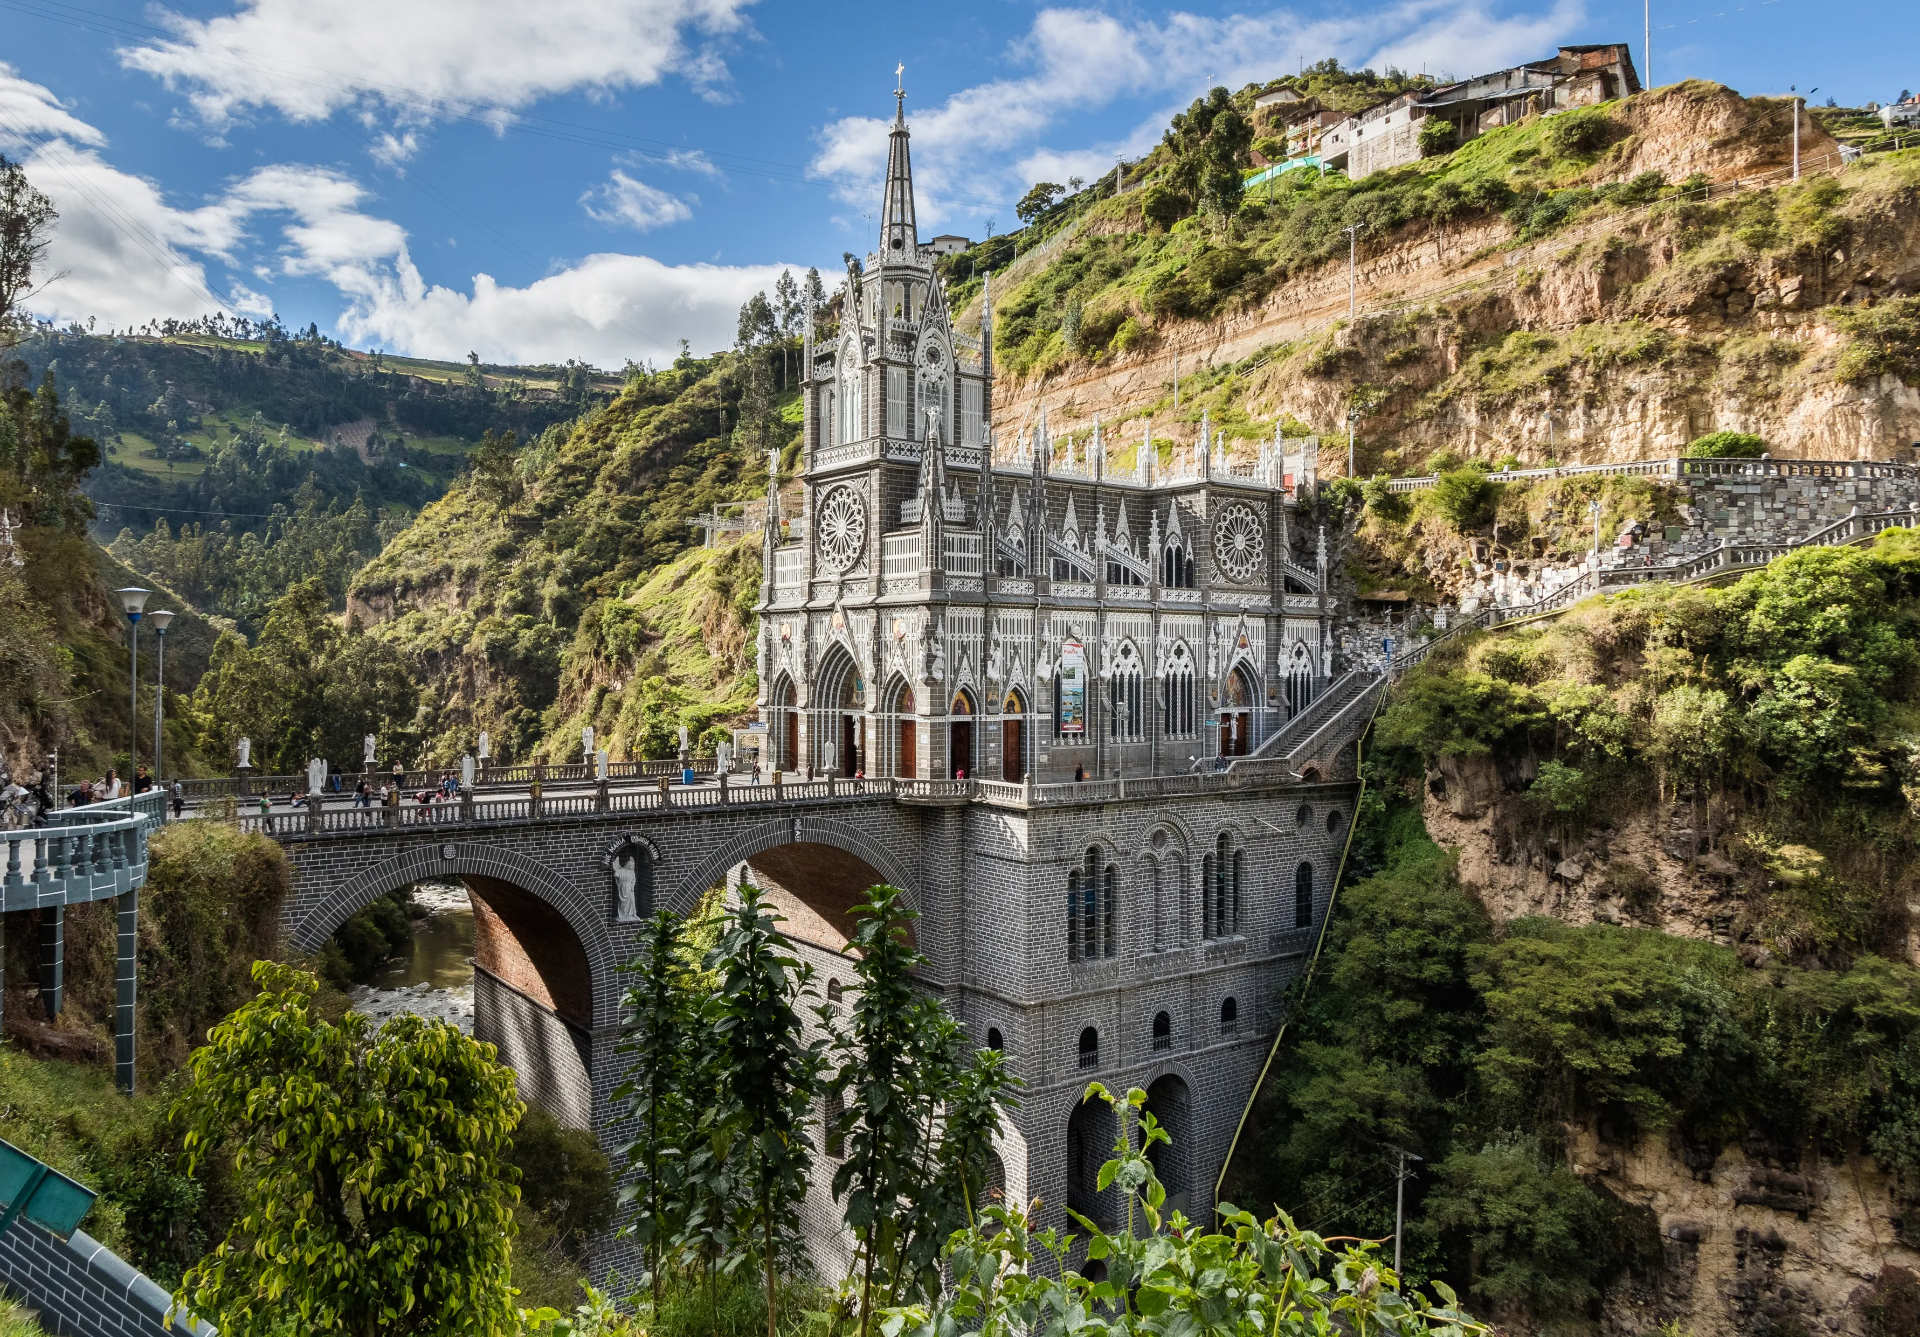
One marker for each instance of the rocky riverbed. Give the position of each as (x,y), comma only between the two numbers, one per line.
(434,978)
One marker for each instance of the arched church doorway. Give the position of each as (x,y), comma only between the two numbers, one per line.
(1013,739)
(785,726)
(960,736)
(906,751)
(1236,713)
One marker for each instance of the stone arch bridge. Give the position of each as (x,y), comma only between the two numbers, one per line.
(1137,931)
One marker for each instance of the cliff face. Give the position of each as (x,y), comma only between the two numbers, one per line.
(1625,333)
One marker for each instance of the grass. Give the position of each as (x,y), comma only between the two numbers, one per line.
(68,1115)
(16,1321)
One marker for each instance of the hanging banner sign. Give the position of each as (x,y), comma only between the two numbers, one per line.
(1073,688)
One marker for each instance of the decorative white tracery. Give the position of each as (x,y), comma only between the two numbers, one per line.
(1239,543)
(843,528)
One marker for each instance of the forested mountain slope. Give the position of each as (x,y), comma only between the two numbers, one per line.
(555,588)
(1628,956)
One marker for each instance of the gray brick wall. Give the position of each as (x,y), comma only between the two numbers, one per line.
(80,1288)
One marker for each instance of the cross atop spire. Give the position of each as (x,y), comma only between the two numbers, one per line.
(899,234)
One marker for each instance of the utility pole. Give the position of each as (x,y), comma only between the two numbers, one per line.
(1646,39)
(1401,1174)
(1352,256)
(1796,131)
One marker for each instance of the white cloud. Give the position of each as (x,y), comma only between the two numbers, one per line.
(605,309)
(986,142)
(421,59)
(623,201)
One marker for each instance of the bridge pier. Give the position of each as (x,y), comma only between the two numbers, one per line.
(53,960)
(127,987)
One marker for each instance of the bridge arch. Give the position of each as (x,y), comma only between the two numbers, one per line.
(544,958)
(814,870)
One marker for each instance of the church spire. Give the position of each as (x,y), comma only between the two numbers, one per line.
(899,234)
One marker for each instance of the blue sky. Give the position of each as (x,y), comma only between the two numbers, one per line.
(600,178)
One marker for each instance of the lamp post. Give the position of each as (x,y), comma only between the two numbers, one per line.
(132,600)
(160,618)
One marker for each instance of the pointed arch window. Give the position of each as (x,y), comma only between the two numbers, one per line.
(1177,695)
(1093,920)
(1299,679)
(1127,717)
(1222,880)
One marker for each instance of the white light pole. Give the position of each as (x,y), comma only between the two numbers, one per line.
(1796,125)
(160,618)
(132,600)
(1646,38)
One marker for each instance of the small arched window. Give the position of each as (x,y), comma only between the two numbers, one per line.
(1178,694)
(995,1041)
(1335,820)
(1303,896)
(832,1119)
(1162,1031)
(833,991)
(1089,1048)
(1303,816)
(1229,1017)
(1073,915)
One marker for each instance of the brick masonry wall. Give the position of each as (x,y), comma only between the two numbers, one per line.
(80,1288)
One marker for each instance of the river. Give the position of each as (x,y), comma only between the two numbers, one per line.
(433,978)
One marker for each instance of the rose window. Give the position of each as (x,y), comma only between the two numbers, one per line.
(843,528)
(1239,543)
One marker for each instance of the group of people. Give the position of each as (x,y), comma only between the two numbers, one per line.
(24,805)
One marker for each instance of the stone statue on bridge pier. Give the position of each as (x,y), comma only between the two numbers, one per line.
(245,763)
(367,748)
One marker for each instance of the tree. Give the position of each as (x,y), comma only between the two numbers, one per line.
(372,1167)
(26,221)
(786,301)
(1210,143)
(1037,201)
(899,1065)
(815,292)
(759,326)
(663,1012)
(492,469)
(769,1071)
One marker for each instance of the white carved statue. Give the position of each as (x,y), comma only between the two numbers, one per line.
(316,775)
(367,746)
(586,743)
(626,881)
(483,745)
(246,751)
(466,771)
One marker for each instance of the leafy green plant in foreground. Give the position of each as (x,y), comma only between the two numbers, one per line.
(377,1194)
(1165,1275)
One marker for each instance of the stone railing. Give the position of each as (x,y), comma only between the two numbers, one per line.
(1723,559)
(1681,467)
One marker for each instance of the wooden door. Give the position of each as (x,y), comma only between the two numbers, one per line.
(907,763)
(959,749)
(790,747)
(1013,761)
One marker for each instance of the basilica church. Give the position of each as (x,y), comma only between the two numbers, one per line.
(1099,635)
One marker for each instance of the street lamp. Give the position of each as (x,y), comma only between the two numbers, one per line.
(160,618)
(132,600)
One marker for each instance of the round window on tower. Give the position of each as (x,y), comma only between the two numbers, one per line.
(899,243)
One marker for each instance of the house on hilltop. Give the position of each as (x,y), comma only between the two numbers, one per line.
(1904,112)
(1389,135)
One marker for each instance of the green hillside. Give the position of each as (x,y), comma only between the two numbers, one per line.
(554,587)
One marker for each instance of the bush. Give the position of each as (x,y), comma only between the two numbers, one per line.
(1437,136)
(1885,341)
(1538,1233)
(1165,207)
(1579,133)
(1466,498)
(360,948)
(564,1177)
(1726,446)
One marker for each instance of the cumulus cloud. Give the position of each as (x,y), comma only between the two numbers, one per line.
(426,58)
(986,142)
(623,201)
(605,309)
(126,254)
